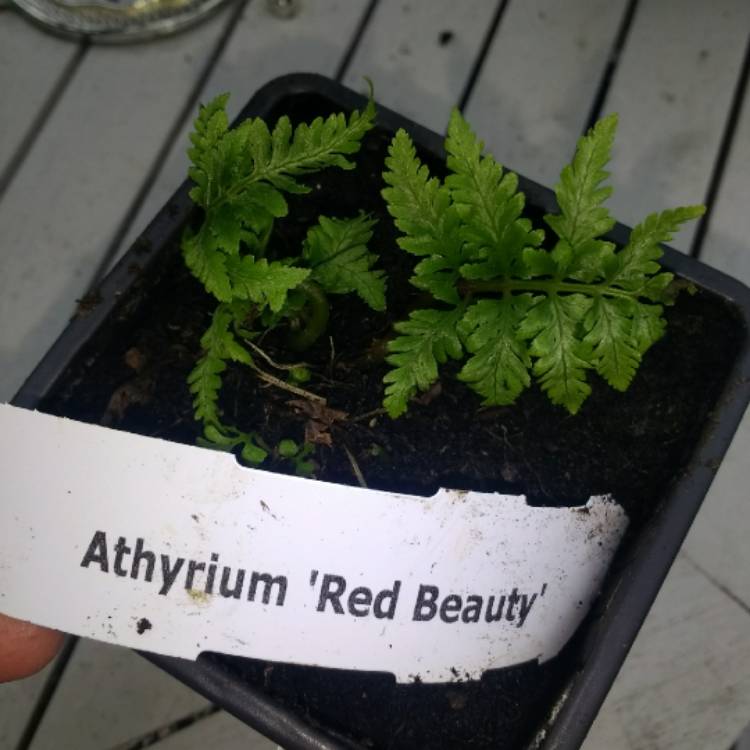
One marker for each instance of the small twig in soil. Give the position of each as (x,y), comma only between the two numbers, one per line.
(284,386)
(275,365)
(332,358)
(355,468)
(374,413)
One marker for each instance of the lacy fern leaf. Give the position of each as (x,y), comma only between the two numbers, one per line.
(280,156)
(264,283)
(615,353)
(422,209)
(553,315)
(220,346)
(499,361)
(241,176)
(207,264)
(636,268)
(580,193)
(561,357)
(428,338)
(489,204)
(336,251)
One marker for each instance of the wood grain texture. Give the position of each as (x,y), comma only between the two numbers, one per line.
(63,208)
(538,82)
(673,89)
(419,55)
(718,540)
(727,242)
(218,732)
(686,682)
(17,701)
(108,695)
(31,66)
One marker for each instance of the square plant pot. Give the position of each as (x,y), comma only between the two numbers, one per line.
(123,361)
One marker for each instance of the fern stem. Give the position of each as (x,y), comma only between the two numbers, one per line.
(548,286)
(284,386)
(263,238)
(317,320)
(275,365)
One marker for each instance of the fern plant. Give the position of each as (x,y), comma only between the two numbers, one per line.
(508,308)
(241,176)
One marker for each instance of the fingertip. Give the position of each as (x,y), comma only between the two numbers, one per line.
(25,648)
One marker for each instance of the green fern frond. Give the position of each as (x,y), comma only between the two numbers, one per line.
(422,210)
(615,354)
(209,129)
(262,282)
(499,361)
(427,339)
(336,250)
(241,174)
(219,347)
(561,356)
(286,153)
(636,267)
(489,204)
(554,314)
(580,194)
(205,383)
(647,326)
(207,263)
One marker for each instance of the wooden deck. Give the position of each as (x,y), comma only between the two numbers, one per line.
(92,142)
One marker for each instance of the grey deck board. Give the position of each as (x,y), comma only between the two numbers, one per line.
(29,75)
(673,89)
(718,541)
(685,684)
(109,695)
(413,72)
(17,700)
(78,181)
(218,732)
(727,242)
(535,91)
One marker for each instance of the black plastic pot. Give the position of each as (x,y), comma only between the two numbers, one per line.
(641,566)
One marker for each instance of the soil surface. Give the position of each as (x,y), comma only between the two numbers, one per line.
(633,445)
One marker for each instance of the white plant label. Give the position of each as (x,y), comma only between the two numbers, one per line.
(177,549)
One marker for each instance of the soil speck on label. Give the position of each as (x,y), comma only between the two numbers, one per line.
(199,597)
(143,625)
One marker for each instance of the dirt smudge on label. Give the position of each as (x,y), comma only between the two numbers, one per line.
(267,509)
(143,625)
(199,597)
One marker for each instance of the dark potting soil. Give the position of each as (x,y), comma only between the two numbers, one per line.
(132,377)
